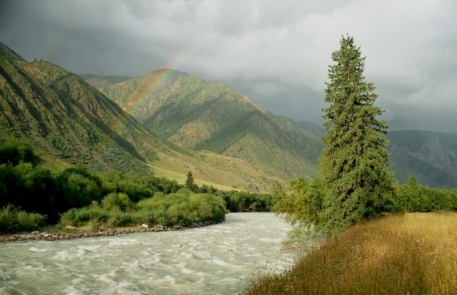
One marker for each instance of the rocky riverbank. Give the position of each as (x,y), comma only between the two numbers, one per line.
(75,233)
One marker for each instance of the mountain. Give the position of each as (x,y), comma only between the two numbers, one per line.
(66,118)
(312,128)
(104,81)
(430,156)
(69,121)
(225,139)
(201,115)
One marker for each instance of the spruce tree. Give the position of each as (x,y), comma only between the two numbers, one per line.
(354,165)
(190,181)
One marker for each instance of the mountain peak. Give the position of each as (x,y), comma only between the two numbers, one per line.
(167,72)
(7,52)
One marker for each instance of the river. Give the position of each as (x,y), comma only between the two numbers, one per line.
(217,259)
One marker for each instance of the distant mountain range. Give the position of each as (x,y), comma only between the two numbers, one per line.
(170,122)
(430,156)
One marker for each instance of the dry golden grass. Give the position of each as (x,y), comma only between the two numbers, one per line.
(400,254)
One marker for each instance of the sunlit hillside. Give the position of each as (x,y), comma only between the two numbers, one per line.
(201,115)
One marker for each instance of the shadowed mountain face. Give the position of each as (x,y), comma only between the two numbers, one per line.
(66,118)
(431,156)
(200,115)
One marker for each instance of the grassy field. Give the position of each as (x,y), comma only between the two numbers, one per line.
(211,169)
(413,253)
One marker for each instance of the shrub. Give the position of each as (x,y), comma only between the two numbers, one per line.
(182,207)
(13,220)
(117,201)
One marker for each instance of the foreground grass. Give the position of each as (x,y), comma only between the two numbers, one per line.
(399,254)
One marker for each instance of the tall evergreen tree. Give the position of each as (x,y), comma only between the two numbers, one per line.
(354,165)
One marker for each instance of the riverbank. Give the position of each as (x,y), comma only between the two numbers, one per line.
(414,253)
(77,233)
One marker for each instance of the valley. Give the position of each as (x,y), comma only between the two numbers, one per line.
(116,153)
(228,147)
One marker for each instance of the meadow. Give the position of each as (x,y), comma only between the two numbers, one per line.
(411,253)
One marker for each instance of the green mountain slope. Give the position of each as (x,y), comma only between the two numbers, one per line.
(200,115)
(312,128)
(67,118)
(69,121)
(431,156)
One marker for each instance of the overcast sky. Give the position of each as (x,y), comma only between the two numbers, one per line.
(275,52)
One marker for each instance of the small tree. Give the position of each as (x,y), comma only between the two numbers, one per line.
(354,165)
(190,181)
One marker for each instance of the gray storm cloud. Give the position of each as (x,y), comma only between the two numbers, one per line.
(277,53)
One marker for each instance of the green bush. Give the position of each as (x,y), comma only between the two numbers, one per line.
(13,220)
(180,208)
(412,197)
(14,152)
(117,201)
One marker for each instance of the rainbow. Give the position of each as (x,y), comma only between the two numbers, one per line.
(155,79)
(174,63)
(196,45)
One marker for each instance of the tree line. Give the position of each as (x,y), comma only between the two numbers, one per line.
(27,185)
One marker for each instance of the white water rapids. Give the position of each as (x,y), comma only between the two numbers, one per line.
(217,259)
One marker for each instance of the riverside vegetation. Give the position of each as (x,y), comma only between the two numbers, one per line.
(398,254)
(34,196)
(361,253)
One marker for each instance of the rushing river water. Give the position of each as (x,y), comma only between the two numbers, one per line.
(217,259)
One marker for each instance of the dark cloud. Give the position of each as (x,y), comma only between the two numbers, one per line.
(277,53)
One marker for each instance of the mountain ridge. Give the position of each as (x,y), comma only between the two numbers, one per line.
(62,115)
